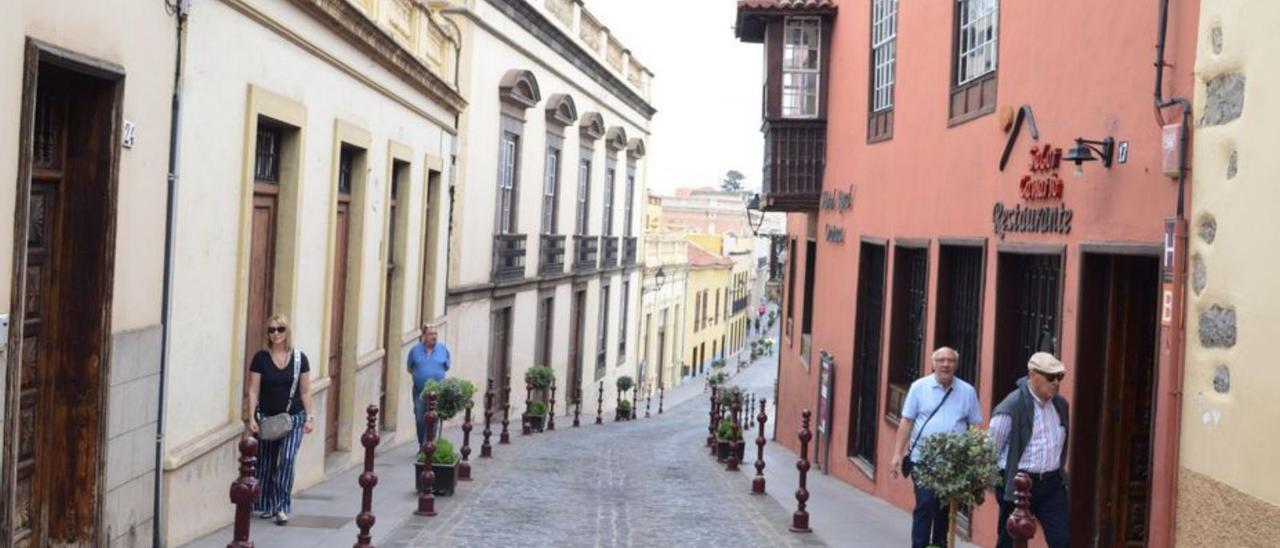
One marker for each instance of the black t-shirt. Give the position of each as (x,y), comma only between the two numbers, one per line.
(273,390)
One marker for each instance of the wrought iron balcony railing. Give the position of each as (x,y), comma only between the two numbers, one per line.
(508,256)
(551,260)
(586,250)
(610,258)
(630,246)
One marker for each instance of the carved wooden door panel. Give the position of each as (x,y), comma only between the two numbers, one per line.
(337,323)
(575,341)
(262,252)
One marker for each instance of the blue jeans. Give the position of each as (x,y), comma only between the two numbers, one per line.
(1050,506)
(929,520)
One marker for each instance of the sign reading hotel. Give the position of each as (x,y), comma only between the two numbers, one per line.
(1040,184)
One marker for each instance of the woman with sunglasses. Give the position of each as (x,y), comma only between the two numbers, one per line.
(272,391)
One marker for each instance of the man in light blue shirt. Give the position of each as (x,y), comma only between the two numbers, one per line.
(935,404)
(428,361)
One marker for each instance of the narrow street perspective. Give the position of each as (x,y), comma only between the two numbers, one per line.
(639,273)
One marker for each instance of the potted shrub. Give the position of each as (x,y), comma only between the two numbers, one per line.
(717,363)
(444,462)
(728,439)
(959,467)
(623,413)
(537,415)
(717,378)
(453,395)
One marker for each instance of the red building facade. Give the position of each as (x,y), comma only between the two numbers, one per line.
(934,199)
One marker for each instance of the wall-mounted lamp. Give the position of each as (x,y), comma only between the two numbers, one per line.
(659,278)
(1083,152)
(753,206)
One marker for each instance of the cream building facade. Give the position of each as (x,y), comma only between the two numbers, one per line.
(662,320)
(1227,493)
(547,216)
(317,149)
(84,100)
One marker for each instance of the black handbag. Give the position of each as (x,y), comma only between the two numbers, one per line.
(907,464)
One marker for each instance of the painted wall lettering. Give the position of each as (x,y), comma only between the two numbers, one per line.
(838,200)
(835,234)
(1038,220)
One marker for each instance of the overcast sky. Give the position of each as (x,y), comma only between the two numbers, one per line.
(706,88)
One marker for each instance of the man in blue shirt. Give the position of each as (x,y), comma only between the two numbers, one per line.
(428,361)
(935,404)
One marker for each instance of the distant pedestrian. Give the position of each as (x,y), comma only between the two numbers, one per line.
(1030,432)
(932,398)
(280,400)
(428,361)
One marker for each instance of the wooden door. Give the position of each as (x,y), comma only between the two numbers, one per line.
(577,327)
(262,252)
(337,322)
(390,336)
(62,304)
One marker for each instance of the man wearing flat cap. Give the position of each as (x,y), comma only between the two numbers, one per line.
(1030,432)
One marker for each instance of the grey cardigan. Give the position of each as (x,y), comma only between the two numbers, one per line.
(1018,405)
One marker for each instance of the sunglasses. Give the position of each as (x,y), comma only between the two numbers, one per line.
(273,330)
(1056,377)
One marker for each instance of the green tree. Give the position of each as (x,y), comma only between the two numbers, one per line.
(732,181)
(959,467)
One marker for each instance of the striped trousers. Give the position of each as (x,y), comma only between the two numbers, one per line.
(275,469)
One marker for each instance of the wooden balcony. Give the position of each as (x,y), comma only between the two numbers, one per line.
(586,250)
(795,155)
(630,246)
(551,255)
(610,257)
(508,256)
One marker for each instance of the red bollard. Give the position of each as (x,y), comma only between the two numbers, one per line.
(427,500)
(661,392)
(577,407)
(464,465)
(368,480)
(1021,525)
(736,408)
(505,438)
(600,405)
(711,423)
(800,519)
(245,490)
(551,408)
(757,484)
(486,450)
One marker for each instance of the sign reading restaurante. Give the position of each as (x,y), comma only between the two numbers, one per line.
(1042,183)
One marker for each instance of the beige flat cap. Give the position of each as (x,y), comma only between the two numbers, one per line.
(1044,362)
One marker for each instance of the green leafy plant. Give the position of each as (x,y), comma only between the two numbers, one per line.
(717,378)
(624,406)
(539,377)
(537,409)
(422,457)
(452,396)
(728,395)
(959,467)
(444,453)
(625,383)
(717,363)
(727,432)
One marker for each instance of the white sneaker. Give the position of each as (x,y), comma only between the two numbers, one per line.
(266,515)
(282,518)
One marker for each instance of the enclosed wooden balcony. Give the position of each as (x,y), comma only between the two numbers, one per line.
(794,158)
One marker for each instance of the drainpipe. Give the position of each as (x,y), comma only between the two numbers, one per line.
(1174,356)
(180,9)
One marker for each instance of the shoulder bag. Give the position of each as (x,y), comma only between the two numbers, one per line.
(279,425)
(907,464)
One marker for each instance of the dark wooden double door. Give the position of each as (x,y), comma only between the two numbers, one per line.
(61,294)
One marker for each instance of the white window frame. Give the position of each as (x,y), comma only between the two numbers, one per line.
(610,175)
(509,152)
(976,39)
(884,53)
(581,218)
(793,95)
(550,190)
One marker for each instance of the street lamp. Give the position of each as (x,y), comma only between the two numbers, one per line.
(753,205)
(659,278)
(1083,152)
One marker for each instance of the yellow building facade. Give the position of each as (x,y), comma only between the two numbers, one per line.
(706,324)
(1227,495)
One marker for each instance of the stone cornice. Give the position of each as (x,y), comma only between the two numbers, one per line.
(352,24)
(537,24)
